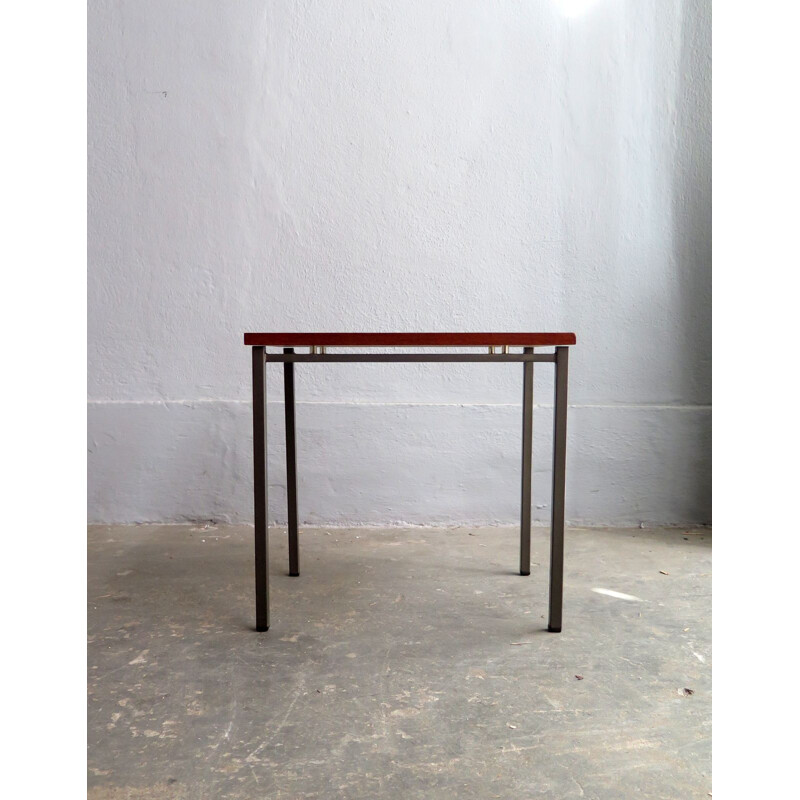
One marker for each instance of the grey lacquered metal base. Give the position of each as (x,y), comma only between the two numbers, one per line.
(560,360)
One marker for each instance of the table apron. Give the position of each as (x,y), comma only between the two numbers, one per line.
(496,358)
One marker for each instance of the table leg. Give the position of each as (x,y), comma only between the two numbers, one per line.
(559,479)
(260,487)
(291,465)
(527,458)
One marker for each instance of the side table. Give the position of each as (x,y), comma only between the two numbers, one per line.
(499,352)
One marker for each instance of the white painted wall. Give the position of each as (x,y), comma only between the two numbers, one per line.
(416,165)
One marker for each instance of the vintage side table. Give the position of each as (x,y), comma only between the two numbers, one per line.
(499,352)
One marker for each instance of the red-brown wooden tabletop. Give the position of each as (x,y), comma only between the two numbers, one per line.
(408,339)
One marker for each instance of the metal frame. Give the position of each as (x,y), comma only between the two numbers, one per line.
(340,358)
(560,360)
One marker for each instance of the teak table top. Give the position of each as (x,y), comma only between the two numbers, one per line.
(408,339)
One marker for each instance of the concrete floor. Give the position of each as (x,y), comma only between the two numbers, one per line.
(401,664)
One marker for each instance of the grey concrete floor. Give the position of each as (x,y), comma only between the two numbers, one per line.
(400,664)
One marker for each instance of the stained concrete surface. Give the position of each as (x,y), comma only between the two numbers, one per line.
(401,664)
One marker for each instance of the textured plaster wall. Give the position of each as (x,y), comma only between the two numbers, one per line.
(417,165)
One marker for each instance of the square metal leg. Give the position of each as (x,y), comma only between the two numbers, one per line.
(559,480)
(527,461)
(260,487)
(291,465)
